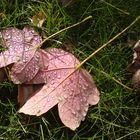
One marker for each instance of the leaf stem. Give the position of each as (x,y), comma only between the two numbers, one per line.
(62,30)
(104,45)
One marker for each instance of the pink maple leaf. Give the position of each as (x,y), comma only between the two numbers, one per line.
(20,45)
(22,51)
(30,72)
(72,89)
(47,78)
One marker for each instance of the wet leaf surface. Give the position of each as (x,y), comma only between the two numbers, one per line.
(55,69)
(23,52)
(30,71)
(73,90)
(20,45)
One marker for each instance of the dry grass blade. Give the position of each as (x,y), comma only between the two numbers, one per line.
(122,11)
(104,45)
(65,29)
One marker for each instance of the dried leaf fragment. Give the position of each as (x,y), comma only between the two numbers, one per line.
(134,67)
(38,19)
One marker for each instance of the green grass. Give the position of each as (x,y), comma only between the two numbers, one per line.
(117,116)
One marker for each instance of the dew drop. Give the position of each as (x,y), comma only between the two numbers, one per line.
(38,106)
(26,49)
(52,88)
(84,88)
(73,112)
(86,109)
(83,118)
(14,42)
(67,63)
(72,90)
(59,99)
(86,85)
(86,104)
(44,105)
(36,59)
(13,31)
(70,93)
(37,56)
(55,73)
(65,96)
(36,38)
(24,60)
(8,37)
(36,68)
(84,113)
(53,78)
(80,86)
(52,82)
(38,111)
(78,108)
(32,31)
(84,99)
(58,76)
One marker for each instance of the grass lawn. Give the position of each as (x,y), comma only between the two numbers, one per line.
(117,116)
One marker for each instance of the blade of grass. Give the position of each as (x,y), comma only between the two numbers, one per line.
(122,11)
(67,28)
(111,40)
(117,81)
(128,134)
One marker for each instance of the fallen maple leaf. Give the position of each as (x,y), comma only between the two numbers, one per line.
(22,51)
(54,72)
(73,90)
(30,72)
(20,45)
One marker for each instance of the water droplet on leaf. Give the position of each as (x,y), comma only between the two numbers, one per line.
(65,96)
(73,112)
(58,76)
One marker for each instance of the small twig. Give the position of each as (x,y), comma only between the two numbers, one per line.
(69,27)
